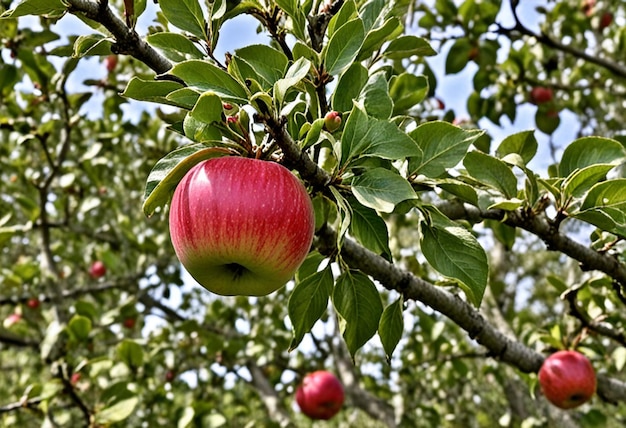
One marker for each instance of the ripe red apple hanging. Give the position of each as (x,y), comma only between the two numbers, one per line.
(321,395)
(241,226)
(567,379)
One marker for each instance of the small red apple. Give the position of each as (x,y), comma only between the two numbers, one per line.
(110,62)
(129,322)
(12,319)
(241,226)
(170,375)
(606,19)
(33,303)
(332,121)
(567,379)
(321,395)
(97,269)
(541,95)
(75,378)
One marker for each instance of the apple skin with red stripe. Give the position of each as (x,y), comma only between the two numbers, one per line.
(320,395)
(241,226)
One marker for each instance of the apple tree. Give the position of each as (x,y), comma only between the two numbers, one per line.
(464,160)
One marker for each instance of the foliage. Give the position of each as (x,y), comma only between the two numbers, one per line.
(446,264)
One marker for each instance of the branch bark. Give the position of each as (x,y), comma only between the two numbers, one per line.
(127,41)
(269,396)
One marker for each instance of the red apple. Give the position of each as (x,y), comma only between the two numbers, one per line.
(33,303)
(541,95)
(170,375)
(110,62)
(320,396)
(97,269)
(12,319)
(332,121)
(241,226)
(75,378)
(606,19)
(567,379)
(129,322)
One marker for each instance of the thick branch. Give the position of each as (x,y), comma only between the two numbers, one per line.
(127,40)
(460,312)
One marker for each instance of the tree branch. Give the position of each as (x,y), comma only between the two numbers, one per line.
(460,312)
(127,41)
(269,396)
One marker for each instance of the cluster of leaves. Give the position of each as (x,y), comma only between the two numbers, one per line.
(386,176)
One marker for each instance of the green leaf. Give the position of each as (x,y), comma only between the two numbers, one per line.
(294,10)
(208,108)
(350,84)
(588,151)
(443,146)
(79,327)
(200,131)
(523,143)
(455,253)
(344,45)
(208,77)
(406,91)
(408,46)
(458,56)
(491,172)
(391,327)
(186,15)
(260,62)
(117,412)
(375,96)
(184,97)
(296,72)
(369,229)
(381,189)
(368,136)
(131,353)
(358,302)
(605,206)
(169,170)
(36,7)
(346,13)
(581,180)
(308,302)
(92,44)
(175,46)
(151,90)
(375,38)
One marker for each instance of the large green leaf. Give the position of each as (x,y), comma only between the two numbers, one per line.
(458,55)
(369,229)
(350,84)
(408,46)
(308,302)
(186,15)
(294,75)
(391,327)
(523,143)
(581,180)
(406,91)
(175,46)
(368,136)
(151,90)
(375,38)
(605,206)
(375,96)
(588,151)
(455,253)
(170,169)
(207,77)
(344,45)
(358,302)
(443,146)
(116,412)
(491,172)
(36,7)
(261,62)
(294,10)
(381,189)
(131,353)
